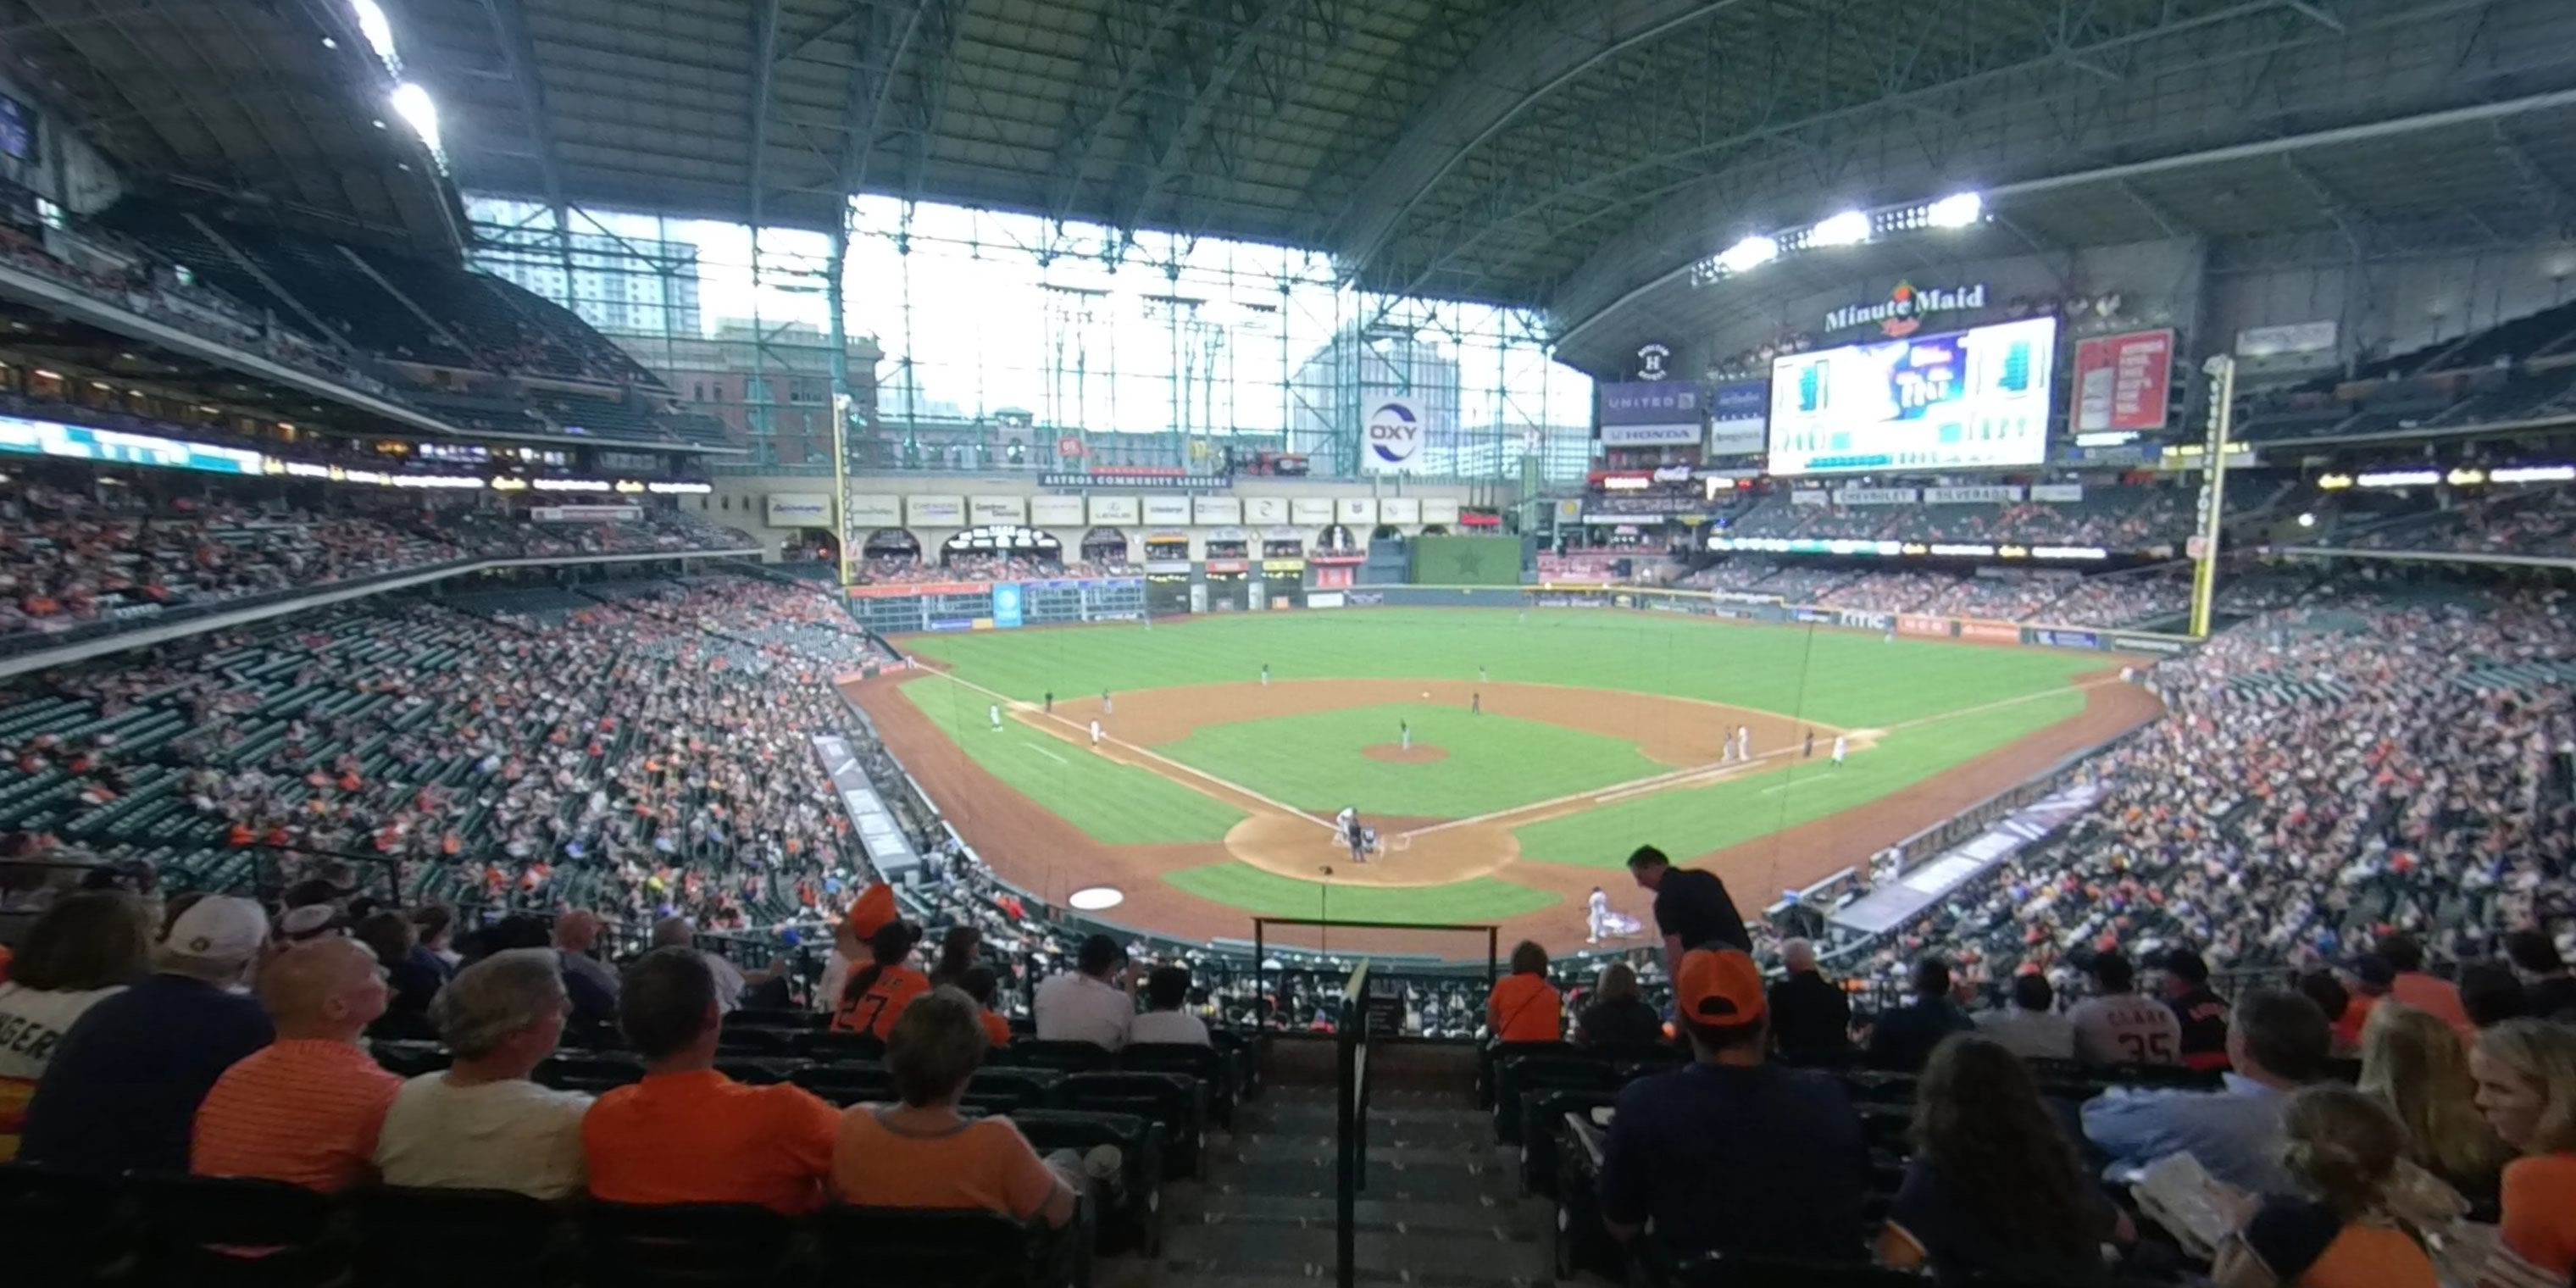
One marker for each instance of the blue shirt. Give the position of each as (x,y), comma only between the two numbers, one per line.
(1764,1160)
(122,1091)
(2235,1133)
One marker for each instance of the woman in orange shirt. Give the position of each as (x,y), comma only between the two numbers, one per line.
(2526,1075)
(980,983)
(2343,1148)
(922,1153)
(1524,1007)
(876,993)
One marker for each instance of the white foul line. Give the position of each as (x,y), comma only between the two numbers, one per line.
(1078,728)
(1046,753)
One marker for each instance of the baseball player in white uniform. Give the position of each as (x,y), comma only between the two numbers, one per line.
(994,713)
(1095,733)
(1404,729)
(1600,913)
(1265,675)
(1726,748)
(1342,822)
(1842,745)
(1744,742)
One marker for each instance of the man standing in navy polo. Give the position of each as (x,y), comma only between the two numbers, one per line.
(1731,1153)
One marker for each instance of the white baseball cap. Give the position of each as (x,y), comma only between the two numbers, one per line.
(217,931)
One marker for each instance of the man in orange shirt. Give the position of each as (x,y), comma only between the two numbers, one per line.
(2424,992)
(307,1108)
(686,1133)
(1524,1007)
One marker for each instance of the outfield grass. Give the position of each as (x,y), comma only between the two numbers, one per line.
(1313,760)
(1117,804)
(1252,889)
(1840,678)
(1697,819)
(1848,678)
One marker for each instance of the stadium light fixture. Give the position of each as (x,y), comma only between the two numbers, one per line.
(413,105)
(2307,520)
(1750,253)
(379,31)
(1960,210)
(1850,228)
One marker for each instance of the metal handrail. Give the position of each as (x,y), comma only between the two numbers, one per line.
(1350,1138)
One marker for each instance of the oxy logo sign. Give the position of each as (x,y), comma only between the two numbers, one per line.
(1394,437)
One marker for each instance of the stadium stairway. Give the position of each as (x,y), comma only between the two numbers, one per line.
(1442,1205)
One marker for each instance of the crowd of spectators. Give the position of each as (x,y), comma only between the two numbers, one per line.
(2017,596)
(638,757)
(69,558)
(2325,775)
(908,569)
(2114,517)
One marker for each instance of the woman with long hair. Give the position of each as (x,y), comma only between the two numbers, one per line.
(876,993)
(86,948)
(1994,1188)
(2342,1146)
(1618,1014)
(2526,1075)
(2415,1065)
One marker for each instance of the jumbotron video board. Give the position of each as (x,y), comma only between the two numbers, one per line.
(1964,400)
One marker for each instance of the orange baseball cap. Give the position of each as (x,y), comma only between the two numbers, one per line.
(1719,988)
(873,910)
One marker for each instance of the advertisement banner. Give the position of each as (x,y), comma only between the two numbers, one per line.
(584,513)
(1263,511)
(1311,511)
(1139,478)
(1990,632)
(1653,403)
(1116,510)
(1215,509)
(797,509)
(1809,496)
(998,509)
(2122,382)
(2146,644)
(1355,509)
(1739,418)
(1876,495)
(1684,434)
(1400,510)
(1863,621)
(1006,604)
(2313,338)
(1990,494)
(1813,616)
(1439,510)
(115,447)
(1055,511)
(935,511)
(1920,624)
(1167,509)
(1396,432)
(919,590)
(2057,491)
(2066,639)
(1324,599)
(872,511)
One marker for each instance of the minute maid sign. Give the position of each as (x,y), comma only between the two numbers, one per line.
(1394,435)
(1903,311)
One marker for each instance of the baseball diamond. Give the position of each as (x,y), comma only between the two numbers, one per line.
(1213,794)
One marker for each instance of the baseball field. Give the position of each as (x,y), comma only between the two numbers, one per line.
(1509,761)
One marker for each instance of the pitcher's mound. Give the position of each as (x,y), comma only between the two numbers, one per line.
(1397,753)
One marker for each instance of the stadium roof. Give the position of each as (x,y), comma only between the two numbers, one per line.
(1566,153)
(240,99)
